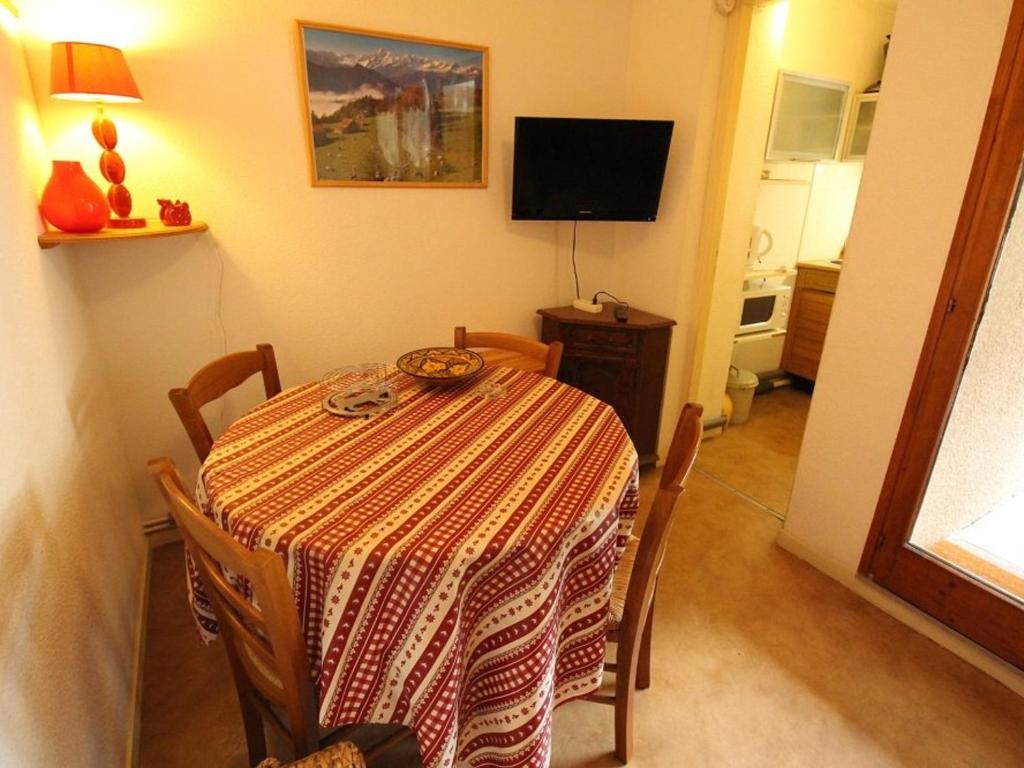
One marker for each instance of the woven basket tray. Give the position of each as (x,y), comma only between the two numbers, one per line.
(343,755)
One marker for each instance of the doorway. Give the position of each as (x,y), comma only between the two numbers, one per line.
(799,100)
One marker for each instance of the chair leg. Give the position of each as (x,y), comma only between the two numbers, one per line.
(255,738)
(624,716)
(643,668)
(625,685)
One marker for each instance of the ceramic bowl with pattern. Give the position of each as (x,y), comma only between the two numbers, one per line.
(441,365)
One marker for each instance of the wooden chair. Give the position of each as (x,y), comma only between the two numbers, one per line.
(212,381)
(513,351)
(636,578)
(265,645)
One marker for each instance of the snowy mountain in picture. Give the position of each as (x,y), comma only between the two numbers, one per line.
(392,109)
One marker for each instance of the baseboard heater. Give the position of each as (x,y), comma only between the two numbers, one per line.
(769,381)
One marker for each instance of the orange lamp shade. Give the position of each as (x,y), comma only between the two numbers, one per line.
(91,72)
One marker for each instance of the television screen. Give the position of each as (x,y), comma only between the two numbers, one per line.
(586,169)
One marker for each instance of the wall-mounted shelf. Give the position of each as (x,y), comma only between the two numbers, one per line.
(757,274)
(153,228)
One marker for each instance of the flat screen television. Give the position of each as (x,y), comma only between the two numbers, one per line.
(589,169)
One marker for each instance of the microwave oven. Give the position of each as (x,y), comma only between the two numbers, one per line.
(765,308)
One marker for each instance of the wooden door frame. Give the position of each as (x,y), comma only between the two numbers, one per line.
(964,604)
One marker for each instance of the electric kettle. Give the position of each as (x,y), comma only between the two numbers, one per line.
(756,251)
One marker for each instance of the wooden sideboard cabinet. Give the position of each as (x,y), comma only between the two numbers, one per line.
(809,317)
(622,364)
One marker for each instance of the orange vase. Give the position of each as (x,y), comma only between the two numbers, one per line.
(71,200)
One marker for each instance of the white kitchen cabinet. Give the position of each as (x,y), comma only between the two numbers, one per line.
(807,117)
(858,132)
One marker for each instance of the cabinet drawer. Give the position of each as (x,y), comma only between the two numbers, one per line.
(817,279)
(805,337)
(606,338)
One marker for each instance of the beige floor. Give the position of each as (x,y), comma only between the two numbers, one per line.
(758,458)
(759,660)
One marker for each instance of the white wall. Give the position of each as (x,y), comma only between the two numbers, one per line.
(71,553)
(830,208)
(673,72)
(937,83)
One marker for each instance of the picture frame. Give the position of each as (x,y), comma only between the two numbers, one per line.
(391,110)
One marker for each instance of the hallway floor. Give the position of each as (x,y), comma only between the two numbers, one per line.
(759,660)
(758,458)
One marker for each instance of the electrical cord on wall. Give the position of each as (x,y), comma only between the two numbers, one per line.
(575,274)
(219,315)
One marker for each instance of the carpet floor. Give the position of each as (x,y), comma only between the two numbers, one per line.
(759,660)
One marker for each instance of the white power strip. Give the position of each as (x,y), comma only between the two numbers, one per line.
(587,306)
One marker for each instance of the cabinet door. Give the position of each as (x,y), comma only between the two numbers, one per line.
(612,380)
(862,117)
(805,336)
(806,117)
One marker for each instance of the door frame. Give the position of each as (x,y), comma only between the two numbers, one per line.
(961,602)
(720,163)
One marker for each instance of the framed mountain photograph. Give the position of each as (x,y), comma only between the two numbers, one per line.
(393,110)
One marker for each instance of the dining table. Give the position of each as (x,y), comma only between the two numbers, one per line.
(451,559)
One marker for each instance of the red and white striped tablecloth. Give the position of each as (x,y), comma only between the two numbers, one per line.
(451,560)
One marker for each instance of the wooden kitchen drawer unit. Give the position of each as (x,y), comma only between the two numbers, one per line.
(820,279)
(622,364)
(809,317)
(601,338)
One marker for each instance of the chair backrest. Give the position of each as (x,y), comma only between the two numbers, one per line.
(265,644)
(212,381)
(549,356)
(654,537)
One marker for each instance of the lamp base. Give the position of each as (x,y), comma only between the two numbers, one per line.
(131,223)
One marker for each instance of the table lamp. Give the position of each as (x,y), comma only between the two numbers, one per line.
(92,72)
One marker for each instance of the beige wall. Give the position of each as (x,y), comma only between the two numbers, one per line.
(673,72)
(838,39)
(71,554)
(937,83)
(335,276)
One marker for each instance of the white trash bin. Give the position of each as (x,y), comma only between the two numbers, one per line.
(741,386)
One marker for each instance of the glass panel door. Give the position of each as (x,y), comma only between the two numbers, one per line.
(972,516)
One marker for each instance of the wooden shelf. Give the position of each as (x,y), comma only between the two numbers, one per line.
(153,228)
(757,274)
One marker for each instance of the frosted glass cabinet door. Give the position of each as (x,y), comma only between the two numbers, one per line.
(807,118)
(862,117)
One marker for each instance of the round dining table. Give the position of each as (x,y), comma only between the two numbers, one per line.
(451,559)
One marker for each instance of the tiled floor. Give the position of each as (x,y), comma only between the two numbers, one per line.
(759,660)
(758,458)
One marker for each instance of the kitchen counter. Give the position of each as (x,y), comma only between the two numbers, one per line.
(822,264)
